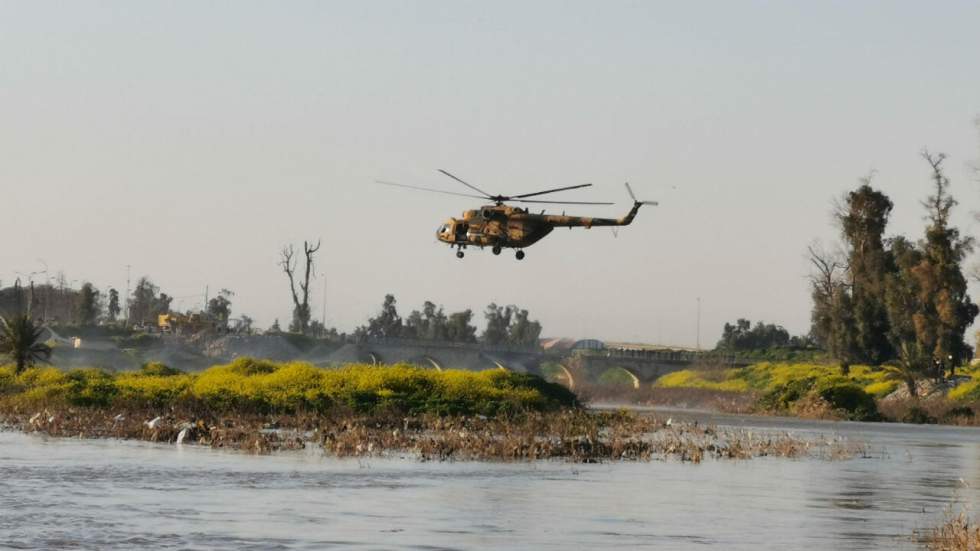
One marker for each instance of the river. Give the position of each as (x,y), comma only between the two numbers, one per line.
(109,494)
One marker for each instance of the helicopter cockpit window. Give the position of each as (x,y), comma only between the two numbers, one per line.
(444,228)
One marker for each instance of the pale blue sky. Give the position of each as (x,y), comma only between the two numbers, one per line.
(192,140)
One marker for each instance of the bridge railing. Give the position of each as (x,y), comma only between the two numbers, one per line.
(471,346)
(685,356)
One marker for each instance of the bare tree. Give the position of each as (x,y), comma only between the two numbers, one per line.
(301,299)
(830,270)
(832,315)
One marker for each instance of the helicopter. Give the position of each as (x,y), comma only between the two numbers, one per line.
(501,226)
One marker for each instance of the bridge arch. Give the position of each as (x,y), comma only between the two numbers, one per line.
(426,361)
(636,380)
(568,376)
(617,375)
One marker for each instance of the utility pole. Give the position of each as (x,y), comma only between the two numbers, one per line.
(128,267)
(206,289)
(323,316)
(699,325)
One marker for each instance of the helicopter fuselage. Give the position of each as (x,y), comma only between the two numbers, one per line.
(505,226)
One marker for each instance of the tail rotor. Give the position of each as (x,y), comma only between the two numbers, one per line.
(637,201)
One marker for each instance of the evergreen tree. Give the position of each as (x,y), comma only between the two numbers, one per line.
(948,308)
(87,310)
(522,331)
(387,324)
(904,302)
(459,327)
(219,307)
(498,323)
(863,219)
(113,308)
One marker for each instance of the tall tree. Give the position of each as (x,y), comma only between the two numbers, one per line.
(301,299)
(459,327)
(949,309)
(219,307)
(246,326)
(863,218)
(145,305)
(20,339)
(113,308)
(522,330)
(498,323)
(905,303)
(88,305)
(387,324)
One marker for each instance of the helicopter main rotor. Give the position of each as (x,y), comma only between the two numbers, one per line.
(501,199)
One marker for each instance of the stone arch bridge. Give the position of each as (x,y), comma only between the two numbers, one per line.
(637,366)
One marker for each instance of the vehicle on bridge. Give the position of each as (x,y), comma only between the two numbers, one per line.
(501,226)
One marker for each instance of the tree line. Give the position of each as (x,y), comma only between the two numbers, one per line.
(506,325)
(87,306)
(893,300)
(744,336)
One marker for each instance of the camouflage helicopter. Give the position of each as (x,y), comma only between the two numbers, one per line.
(501,226)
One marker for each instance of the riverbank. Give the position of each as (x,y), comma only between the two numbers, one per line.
(810,391)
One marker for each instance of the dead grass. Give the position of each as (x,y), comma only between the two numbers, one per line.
(932,409)
(688,398)
(956,533)
(572,435)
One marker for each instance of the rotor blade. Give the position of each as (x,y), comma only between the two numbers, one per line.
(557,202)
(551,191)
(486,195)
(428,189)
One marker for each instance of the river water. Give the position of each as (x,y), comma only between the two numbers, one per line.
(106,494)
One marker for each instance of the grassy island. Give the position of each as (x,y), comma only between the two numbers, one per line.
(366,410)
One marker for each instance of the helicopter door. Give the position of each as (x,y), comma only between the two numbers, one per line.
(460,231)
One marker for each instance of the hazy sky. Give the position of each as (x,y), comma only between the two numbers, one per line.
(192,140)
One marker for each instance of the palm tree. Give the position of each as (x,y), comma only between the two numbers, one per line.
(20,339)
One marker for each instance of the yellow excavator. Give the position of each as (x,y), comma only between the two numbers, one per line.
(178,324)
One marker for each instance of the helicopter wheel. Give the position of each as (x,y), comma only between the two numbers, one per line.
(520,255)
(459,254)
(496,249)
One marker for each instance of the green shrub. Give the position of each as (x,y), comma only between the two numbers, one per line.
(90,387)
(159,369)
(782,396)
(967,391)
(852,400)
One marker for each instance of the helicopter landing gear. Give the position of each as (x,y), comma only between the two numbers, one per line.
(520,255)
(496,249)
(459,254)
